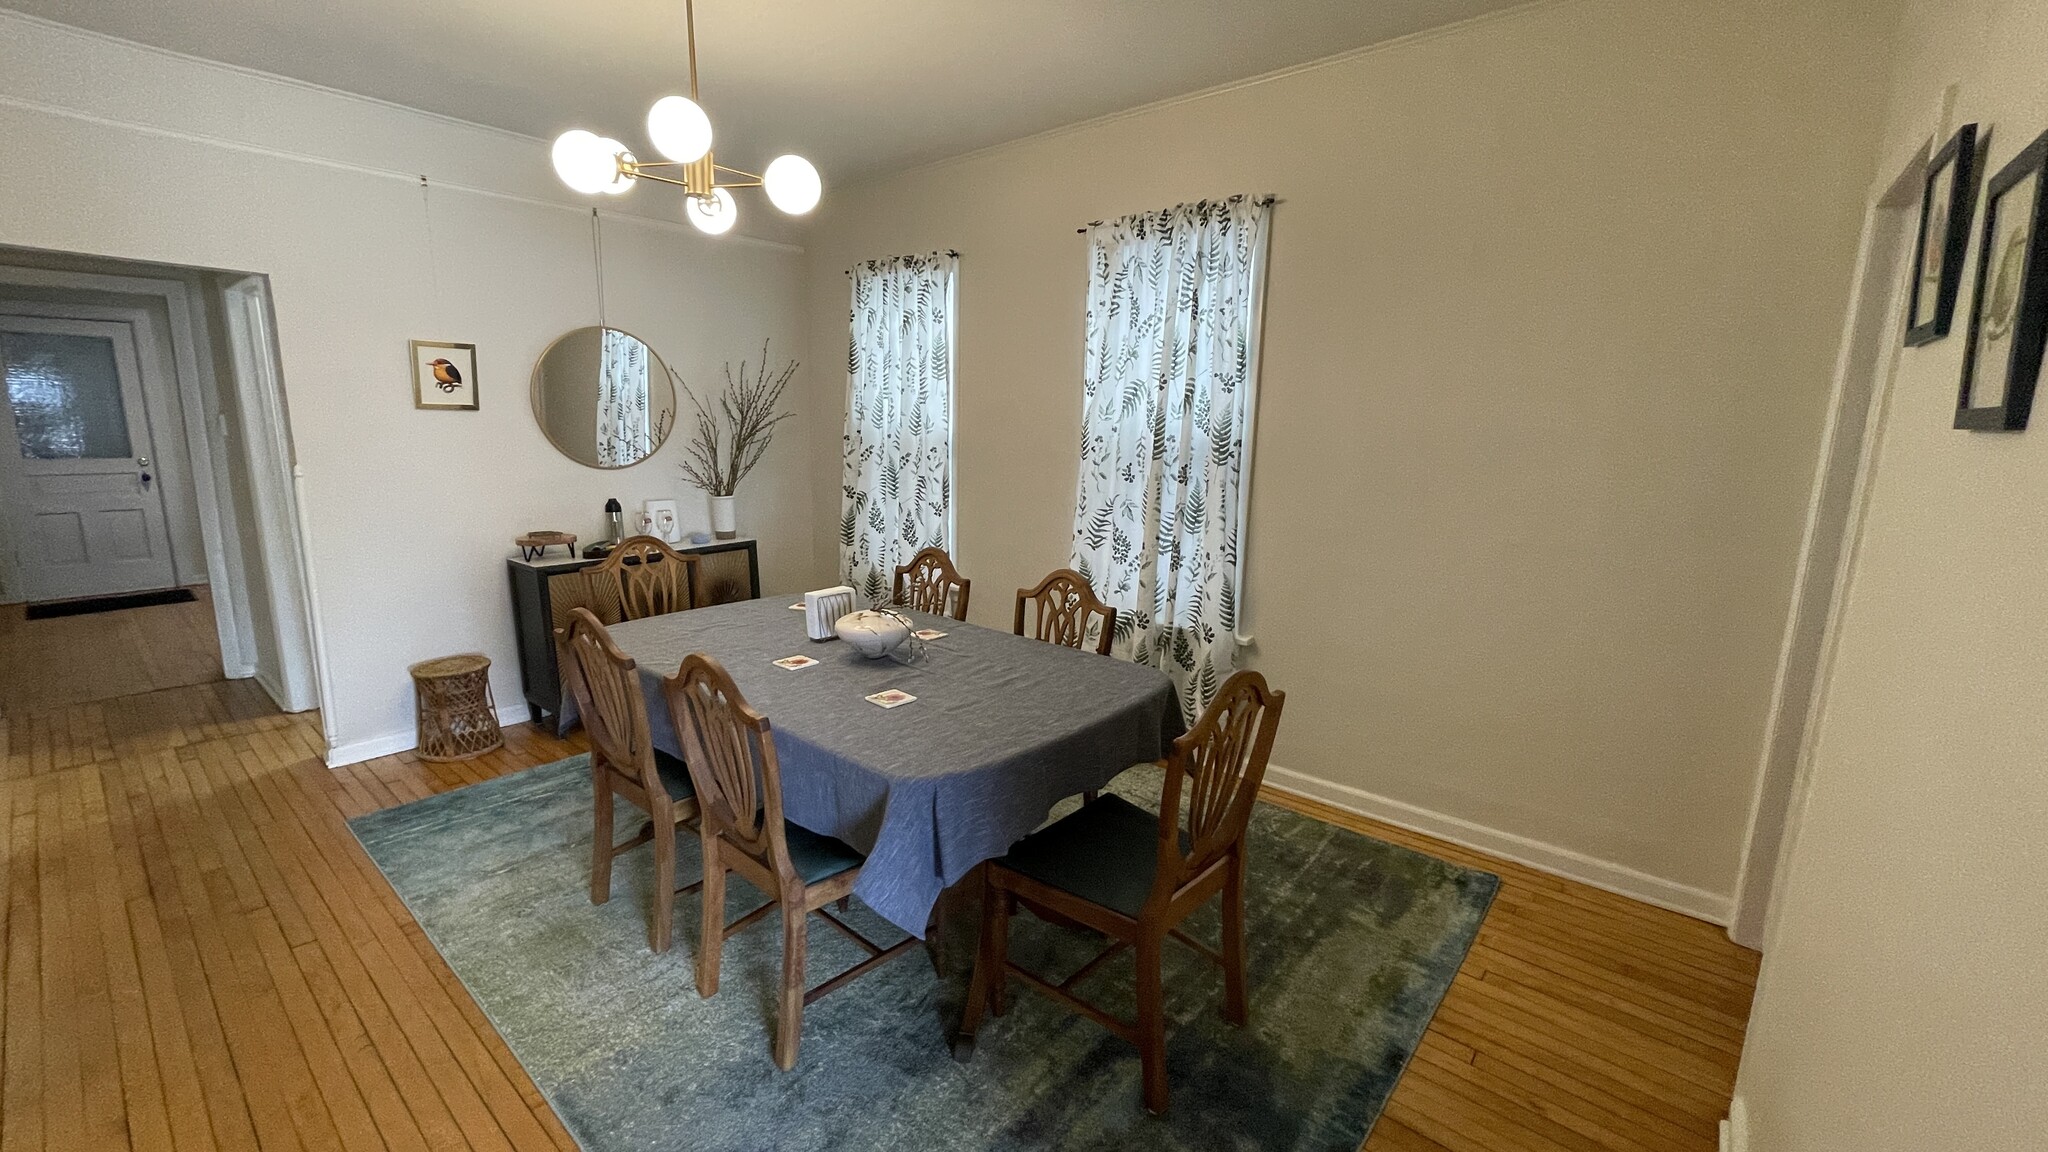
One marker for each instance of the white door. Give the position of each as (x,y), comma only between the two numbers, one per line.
(84,514)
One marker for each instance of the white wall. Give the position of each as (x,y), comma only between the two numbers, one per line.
(122,151)
(1547,347)
(1901,1004)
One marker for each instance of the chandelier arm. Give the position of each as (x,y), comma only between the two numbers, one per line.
(738,172)
(743,184)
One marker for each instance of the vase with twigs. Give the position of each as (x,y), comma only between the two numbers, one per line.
(732,435)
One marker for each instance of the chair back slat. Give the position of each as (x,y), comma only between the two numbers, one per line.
(730,750)
(1067,612)
(652,578)
(930,583)
(605,683)
(1219,765)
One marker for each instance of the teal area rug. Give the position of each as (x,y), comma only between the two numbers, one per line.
(1352,944)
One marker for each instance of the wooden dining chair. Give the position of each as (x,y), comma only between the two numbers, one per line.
(624,762)
(1135,875)
(652,578)
(930,583)
(730,749)
(1066,608)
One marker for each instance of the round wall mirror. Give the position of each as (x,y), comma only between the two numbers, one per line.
(603,397)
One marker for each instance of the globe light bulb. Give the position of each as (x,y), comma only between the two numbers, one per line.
(792,184)
(584,162)
(618,181)
(679,128)
(713,215)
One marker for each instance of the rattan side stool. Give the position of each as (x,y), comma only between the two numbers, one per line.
(458,716)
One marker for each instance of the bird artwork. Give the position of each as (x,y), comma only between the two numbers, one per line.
(446,377)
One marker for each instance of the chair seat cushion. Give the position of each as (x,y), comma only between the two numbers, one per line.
(1106,853)
(676,775)
(817,857)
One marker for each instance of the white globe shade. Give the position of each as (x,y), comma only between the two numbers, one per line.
(679,128)
(619,181)
(792,184)
(583,161)
(715,218)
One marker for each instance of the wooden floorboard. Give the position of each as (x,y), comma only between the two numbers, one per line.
(196,954)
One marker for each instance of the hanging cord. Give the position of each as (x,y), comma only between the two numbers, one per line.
(433,265)
(597,261)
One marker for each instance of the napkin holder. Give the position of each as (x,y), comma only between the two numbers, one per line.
(822,610)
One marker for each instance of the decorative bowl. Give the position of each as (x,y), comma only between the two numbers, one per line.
(873,634)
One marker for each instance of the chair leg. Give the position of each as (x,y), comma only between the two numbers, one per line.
(1235,1007)
(789,1015)
(999,912)
(1090,796)
(711,939)
(663,928)
(601,836)
(1152,1023)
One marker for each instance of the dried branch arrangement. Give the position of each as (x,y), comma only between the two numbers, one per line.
(728,442)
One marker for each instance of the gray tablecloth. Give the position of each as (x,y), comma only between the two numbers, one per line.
(1002,729)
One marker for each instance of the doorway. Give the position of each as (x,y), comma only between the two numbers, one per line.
(144,449)
(1863,376)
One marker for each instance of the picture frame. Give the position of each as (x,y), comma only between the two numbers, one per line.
(1947,201)
(2009,314)
(444,376)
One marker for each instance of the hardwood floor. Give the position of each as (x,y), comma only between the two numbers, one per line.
(198,955)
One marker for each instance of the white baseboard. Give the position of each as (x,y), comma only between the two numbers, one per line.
(357,751)
(1603,874)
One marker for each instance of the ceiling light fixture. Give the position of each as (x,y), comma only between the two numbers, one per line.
(594,165)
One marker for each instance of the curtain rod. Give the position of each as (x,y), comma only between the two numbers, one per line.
(945,252)
(1268,198)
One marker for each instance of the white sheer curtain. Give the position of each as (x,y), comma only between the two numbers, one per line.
(1169,395)
(624,432)
(897,455)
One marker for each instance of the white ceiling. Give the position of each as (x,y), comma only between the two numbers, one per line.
(861,87)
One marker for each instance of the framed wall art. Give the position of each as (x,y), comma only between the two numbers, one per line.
(1946,202)
(444,375)
(2009,315)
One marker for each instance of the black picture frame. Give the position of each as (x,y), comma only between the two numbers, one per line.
(2018,295)
(1955,169)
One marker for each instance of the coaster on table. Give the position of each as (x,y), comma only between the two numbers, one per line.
(893,698)
(928,634)
(794,662)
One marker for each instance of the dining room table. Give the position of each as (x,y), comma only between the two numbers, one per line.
(1001,729)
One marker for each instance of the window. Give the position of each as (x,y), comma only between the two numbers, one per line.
(897,466)
(1170,389)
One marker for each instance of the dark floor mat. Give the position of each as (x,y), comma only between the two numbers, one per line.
(92,604)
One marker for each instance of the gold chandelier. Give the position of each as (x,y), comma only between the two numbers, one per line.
(680,130)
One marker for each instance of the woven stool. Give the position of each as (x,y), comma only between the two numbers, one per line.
(458,717)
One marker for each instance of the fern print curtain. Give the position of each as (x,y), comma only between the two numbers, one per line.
(624,433)
(1169,394)
(897,466)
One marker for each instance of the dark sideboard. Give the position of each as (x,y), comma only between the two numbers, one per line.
(545,591)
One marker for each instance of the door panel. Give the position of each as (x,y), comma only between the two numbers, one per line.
(74,460)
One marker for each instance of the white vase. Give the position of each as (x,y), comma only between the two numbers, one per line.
(722,523)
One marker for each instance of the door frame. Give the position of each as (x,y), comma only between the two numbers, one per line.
(1866,365)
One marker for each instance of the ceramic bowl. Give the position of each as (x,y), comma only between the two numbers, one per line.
(872,634)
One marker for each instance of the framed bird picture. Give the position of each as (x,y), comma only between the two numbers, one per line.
(444,375)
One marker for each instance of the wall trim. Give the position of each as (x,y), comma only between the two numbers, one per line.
(357,751)
(1606,875)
